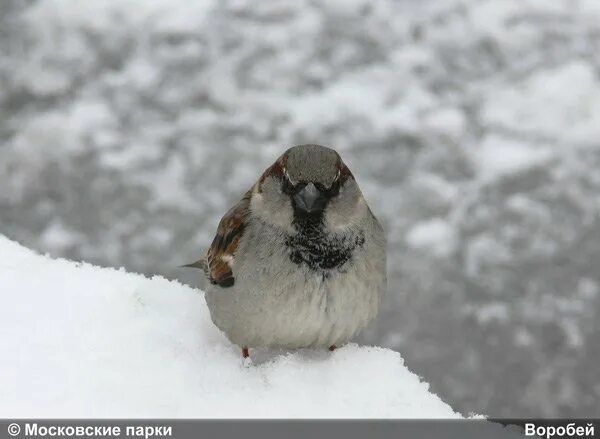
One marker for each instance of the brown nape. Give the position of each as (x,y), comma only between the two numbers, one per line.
(245,352)
(332,348)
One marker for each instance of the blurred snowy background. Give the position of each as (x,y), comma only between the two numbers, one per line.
(127,127)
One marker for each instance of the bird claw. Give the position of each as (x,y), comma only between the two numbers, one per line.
(247,361)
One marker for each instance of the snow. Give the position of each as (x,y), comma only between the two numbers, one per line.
(434,235)
(85,341)
(57,235)
(498,157)
(127,128)
(561,103)
(447,121)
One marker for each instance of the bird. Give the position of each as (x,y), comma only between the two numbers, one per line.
(300,260)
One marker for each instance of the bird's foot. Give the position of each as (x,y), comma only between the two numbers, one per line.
(332,348)
(247,361)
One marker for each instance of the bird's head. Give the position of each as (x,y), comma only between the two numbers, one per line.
(308,182)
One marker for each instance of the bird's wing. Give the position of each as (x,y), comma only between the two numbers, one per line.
(220,256)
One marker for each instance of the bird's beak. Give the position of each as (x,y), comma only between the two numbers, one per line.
(310,199)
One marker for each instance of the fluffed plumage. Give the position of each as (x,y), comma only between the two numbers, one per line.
(300,260)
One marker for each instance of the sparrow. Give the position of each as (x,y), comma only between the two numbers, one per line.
(300,260)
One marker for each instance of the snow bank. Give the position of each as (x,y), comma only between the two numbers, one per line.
(83,341)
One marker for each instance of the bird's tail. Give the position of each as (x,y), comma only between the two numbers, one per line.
(200,263)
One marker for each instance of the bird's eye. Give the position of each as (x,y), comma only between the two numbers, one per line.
(287,183)
(334,189)
(337,176)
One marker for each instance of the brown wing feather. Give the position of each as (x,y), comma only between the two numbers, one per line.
(219,259)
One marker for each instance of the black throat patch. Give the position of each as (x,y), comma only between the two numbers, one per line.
(312,246)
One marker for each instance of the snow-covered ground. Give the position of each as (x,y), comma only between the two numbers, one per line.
(83,341)
(128,127)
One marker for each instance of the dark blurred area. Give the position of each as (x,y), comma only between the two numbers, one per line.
(128,127)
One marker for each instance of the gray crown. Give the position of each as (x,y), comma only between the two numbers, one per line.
(312,163)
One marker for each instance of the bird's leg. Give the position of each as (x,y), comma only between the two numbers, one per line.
(332,348)
(245,352)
